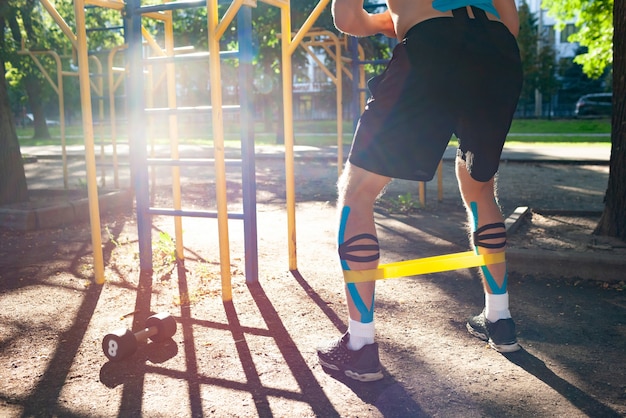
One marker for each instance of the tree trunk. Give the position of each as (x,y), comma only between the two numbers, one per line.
(613,220)
(13,188)
(33,90)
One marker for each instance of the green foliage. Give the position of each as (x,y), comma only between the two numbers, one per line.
(31,27)
(111,236)
(404,203)
(164,252)
(594,19)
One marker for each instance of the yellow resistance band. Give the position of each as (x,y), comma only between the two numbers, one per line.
(427,265)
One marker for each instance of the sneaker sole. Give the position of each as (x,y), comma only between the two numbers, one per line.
(361,377)
(475,333)
(504,348)
(364,377)
(500,348)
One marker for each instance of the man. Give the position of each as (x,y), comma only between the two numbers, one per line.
(455,71)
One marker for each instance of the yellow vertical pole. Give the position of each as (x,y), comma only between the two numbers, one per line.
(362,78)
(218,145)
(60,94)
(285,14)
(173,134)
(97,86)
(90,158)
(339,88)
(422,192)
(288,47)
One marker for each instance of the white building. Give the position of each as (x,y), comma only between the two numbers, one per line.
(558,38)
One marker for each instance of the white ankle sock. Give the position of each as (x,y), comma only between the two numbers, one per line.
(360,334)
(497,307)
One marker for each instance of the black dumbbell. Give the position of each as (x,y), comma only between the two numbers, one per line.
(123,342)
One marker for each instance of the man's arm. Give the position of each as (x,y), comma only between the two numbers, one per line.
(508,15)
(350,17)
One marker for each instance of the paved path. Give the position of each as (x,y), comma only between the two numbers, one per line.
(573,153)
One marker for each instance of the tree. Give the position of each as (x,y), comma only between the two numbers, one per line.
(538,64)
(613,220)
(602,29)
(19,18)
(527,41)
(13,187)
(594,20)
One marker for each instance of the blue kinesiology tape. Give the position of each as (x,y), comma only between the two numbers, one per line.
(491,282)
(367,315)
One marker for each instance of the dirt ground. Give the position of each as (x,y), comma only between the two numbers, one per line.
(255,355)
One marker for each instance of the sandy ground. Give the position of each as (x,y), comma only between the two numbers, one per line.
(255,355)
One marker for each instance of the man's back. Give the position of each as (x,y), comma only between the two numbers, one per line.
(406,13)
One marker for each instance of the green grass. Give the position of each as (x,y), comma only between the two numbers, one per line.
(323,133)
(561,126)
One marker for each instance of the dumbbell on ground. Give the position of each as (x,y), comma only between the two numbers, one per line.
(123,342)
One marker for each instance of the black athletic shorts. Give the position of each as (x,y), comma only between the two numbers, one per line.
(450,75)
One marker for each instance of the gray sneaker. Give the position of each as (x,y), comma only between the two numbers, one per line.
(499,334)
(362,365)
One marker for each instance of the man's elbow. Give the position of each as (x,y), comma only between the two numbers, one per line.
(345,15)
(343,22)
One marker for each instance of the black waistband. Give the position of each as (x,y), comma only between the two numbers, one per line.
(461,13)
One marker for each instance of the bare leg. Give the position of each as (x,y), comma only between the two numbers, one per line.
(482,209)
(358,190)
(494,324)
(356,353)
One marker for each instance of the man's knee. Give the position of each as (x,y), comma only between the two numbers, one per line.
(468,185)
(357,183)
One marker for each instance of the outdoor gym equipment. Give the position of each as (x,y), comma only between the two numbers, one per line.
(121,343)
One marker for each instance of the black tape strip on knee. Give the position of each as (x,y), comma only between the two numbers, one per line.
(480,237)
(347,248)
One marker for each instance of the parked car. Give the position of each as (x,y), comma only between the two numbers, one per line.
(594,105)
(28,120)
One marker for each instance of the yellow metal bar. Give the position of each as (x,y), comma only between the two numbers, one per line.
(97,85)
(362,77)
(318,61)
(173,130)
(155,15)
(152,43)
(339,100)
(218,144)
(427,265)
(307,25)
(287,48)
(65,28)
(277,3)
(90,159)
(285,25)
(108,4)
(61,97)
(336,78)
(227,19)
(44,72)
